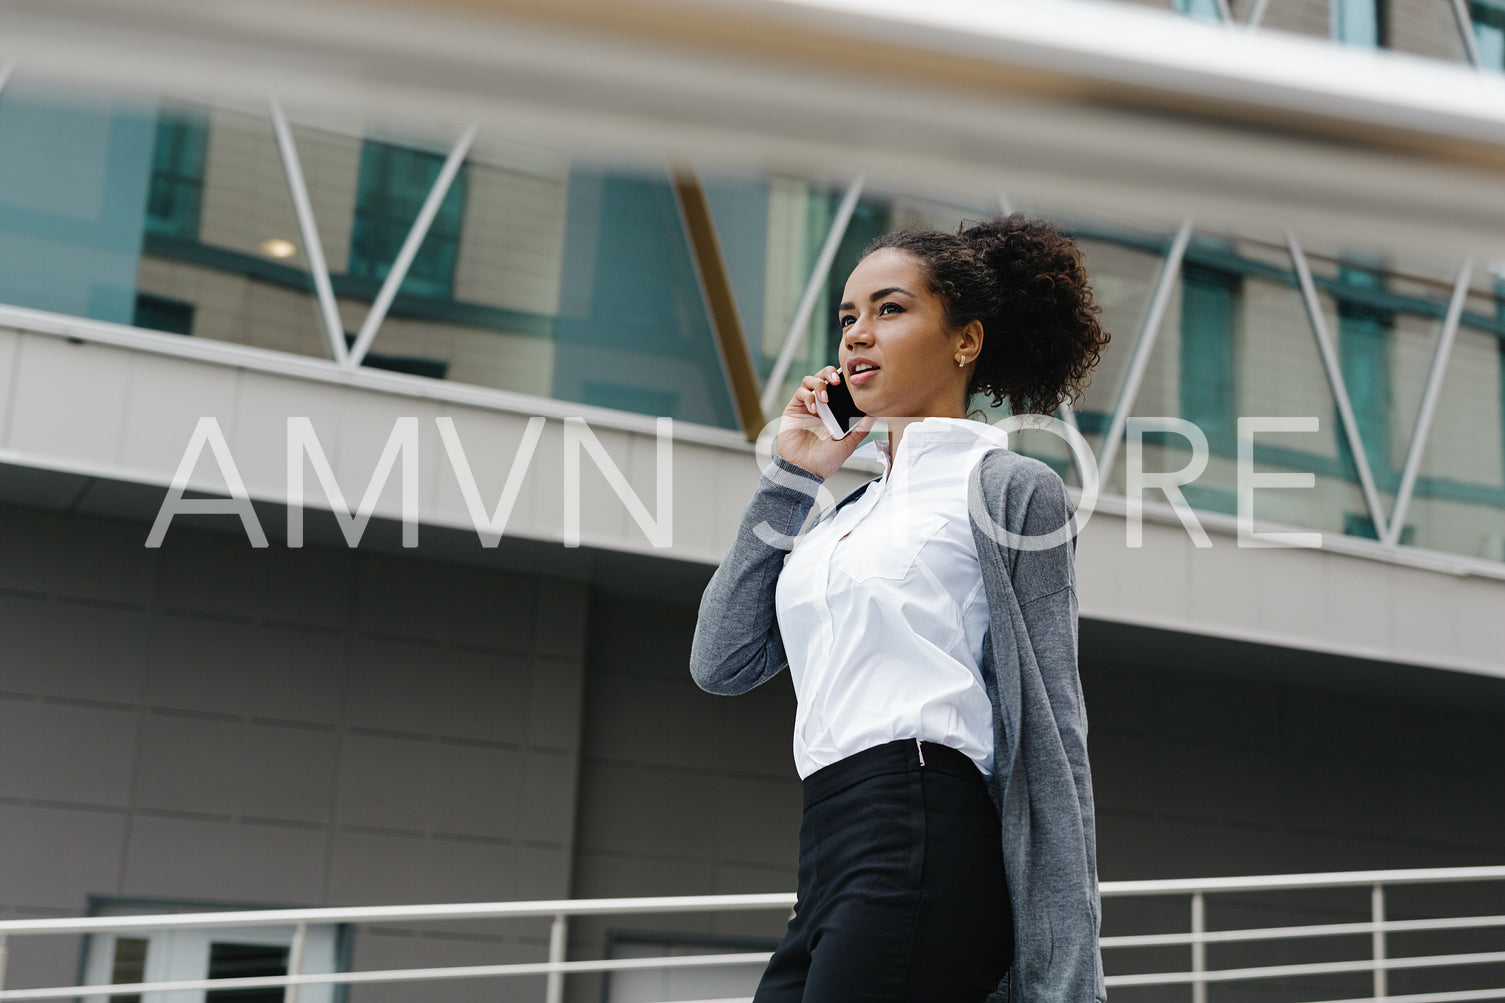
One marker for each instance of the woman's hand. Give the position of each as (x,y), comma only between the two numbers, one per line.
(803,438)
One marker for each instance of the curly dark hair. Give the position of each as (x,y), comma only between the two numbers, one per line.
(1023,279)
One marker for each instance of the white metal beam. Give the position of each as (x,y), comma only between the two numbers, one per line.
(334,328)
(1466,29)
(1170,270)
(1429,397)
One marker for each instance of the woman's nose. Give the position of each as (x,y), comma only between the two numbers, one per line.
(855,334)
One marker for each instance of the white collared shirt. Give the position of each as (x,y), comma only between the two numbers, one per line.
(882,610)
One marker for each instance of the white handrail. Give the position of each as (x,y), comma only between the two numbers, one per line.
(560,909)
(1287,882)
(391,975)
(1298,932)
(1309,968)
(399,913)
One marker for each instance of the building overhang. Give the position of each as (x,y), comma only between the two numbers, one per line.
(1083,104)
(97,422)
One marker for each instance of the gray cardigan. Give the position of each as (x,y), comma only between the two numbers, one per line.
(1041,783)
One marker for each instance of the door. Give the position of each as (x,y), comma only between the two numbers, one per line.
(220,952)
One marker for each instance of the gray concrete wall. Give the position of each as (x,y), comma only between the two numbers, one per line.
(276,727)
(1209,758)
(213,723)
(682,792)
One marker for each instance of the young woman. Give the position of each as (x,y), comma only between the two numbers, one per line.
(947,849)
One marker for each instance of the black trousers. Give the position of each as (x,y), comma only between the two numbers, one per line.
(901,893)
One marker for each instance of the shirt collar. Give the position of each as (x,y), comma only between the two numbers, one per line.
(936,429)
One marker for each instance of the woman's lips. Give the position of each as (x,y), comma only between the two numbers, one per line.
(862,377)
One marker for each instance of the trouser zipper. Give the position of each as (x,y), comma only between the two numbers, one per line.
(920,750)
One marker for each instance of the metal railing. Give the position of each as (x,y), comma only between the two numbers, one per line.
(1379,964)
(1197,890)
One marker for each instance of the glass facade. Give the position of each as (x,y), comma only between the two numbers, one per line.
(1489,32)
(73,183)
(176,196)
(1358,22)
(1205,10)
(557,276)
(221,255)
(393,183)
(1423,27)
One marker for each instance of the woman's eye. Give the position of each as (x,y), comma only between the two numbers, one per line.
(845,321)
(885,308)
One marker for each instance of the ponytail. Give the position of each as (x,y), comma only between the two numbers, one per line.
(1023,279)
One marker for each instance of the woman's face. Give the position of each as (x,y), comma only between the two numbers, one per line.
(891,319)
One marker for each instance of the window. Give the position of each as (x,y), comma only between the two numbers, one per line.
(218,952)
(435,369)
(394,183)
(1360,524)
(1202,10)
(1209,320)
(1489,28)
(1358,22)
(1364,357)
(646,984)
(162,314)
(176,190)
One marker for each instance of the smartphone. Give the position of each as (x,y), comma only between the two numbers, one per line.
(840,413)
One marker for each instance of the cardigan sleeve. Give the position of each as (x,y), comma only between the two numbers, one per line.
(1031,500)
(1049,609)
(737,644)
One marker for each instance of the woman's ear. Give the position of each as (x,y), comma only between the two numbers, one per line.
(971,339)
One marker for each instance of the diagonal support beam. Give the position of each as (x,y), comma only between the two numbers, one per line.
(409,251)
(1335,381)
(1466,29)
(818,275)
(1429,397)
(721,304)
(1159,300)
(334,328)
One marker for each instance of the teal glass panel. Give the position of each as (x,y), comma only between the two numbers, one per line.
(1202,10)
(73,182)
(800,215)
(740,211)
(161,314)
(1364,337)
(1358,22)
(179,158)
(394,182)
(1489,30)
(1209,320)
(872,218)
(633,332)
